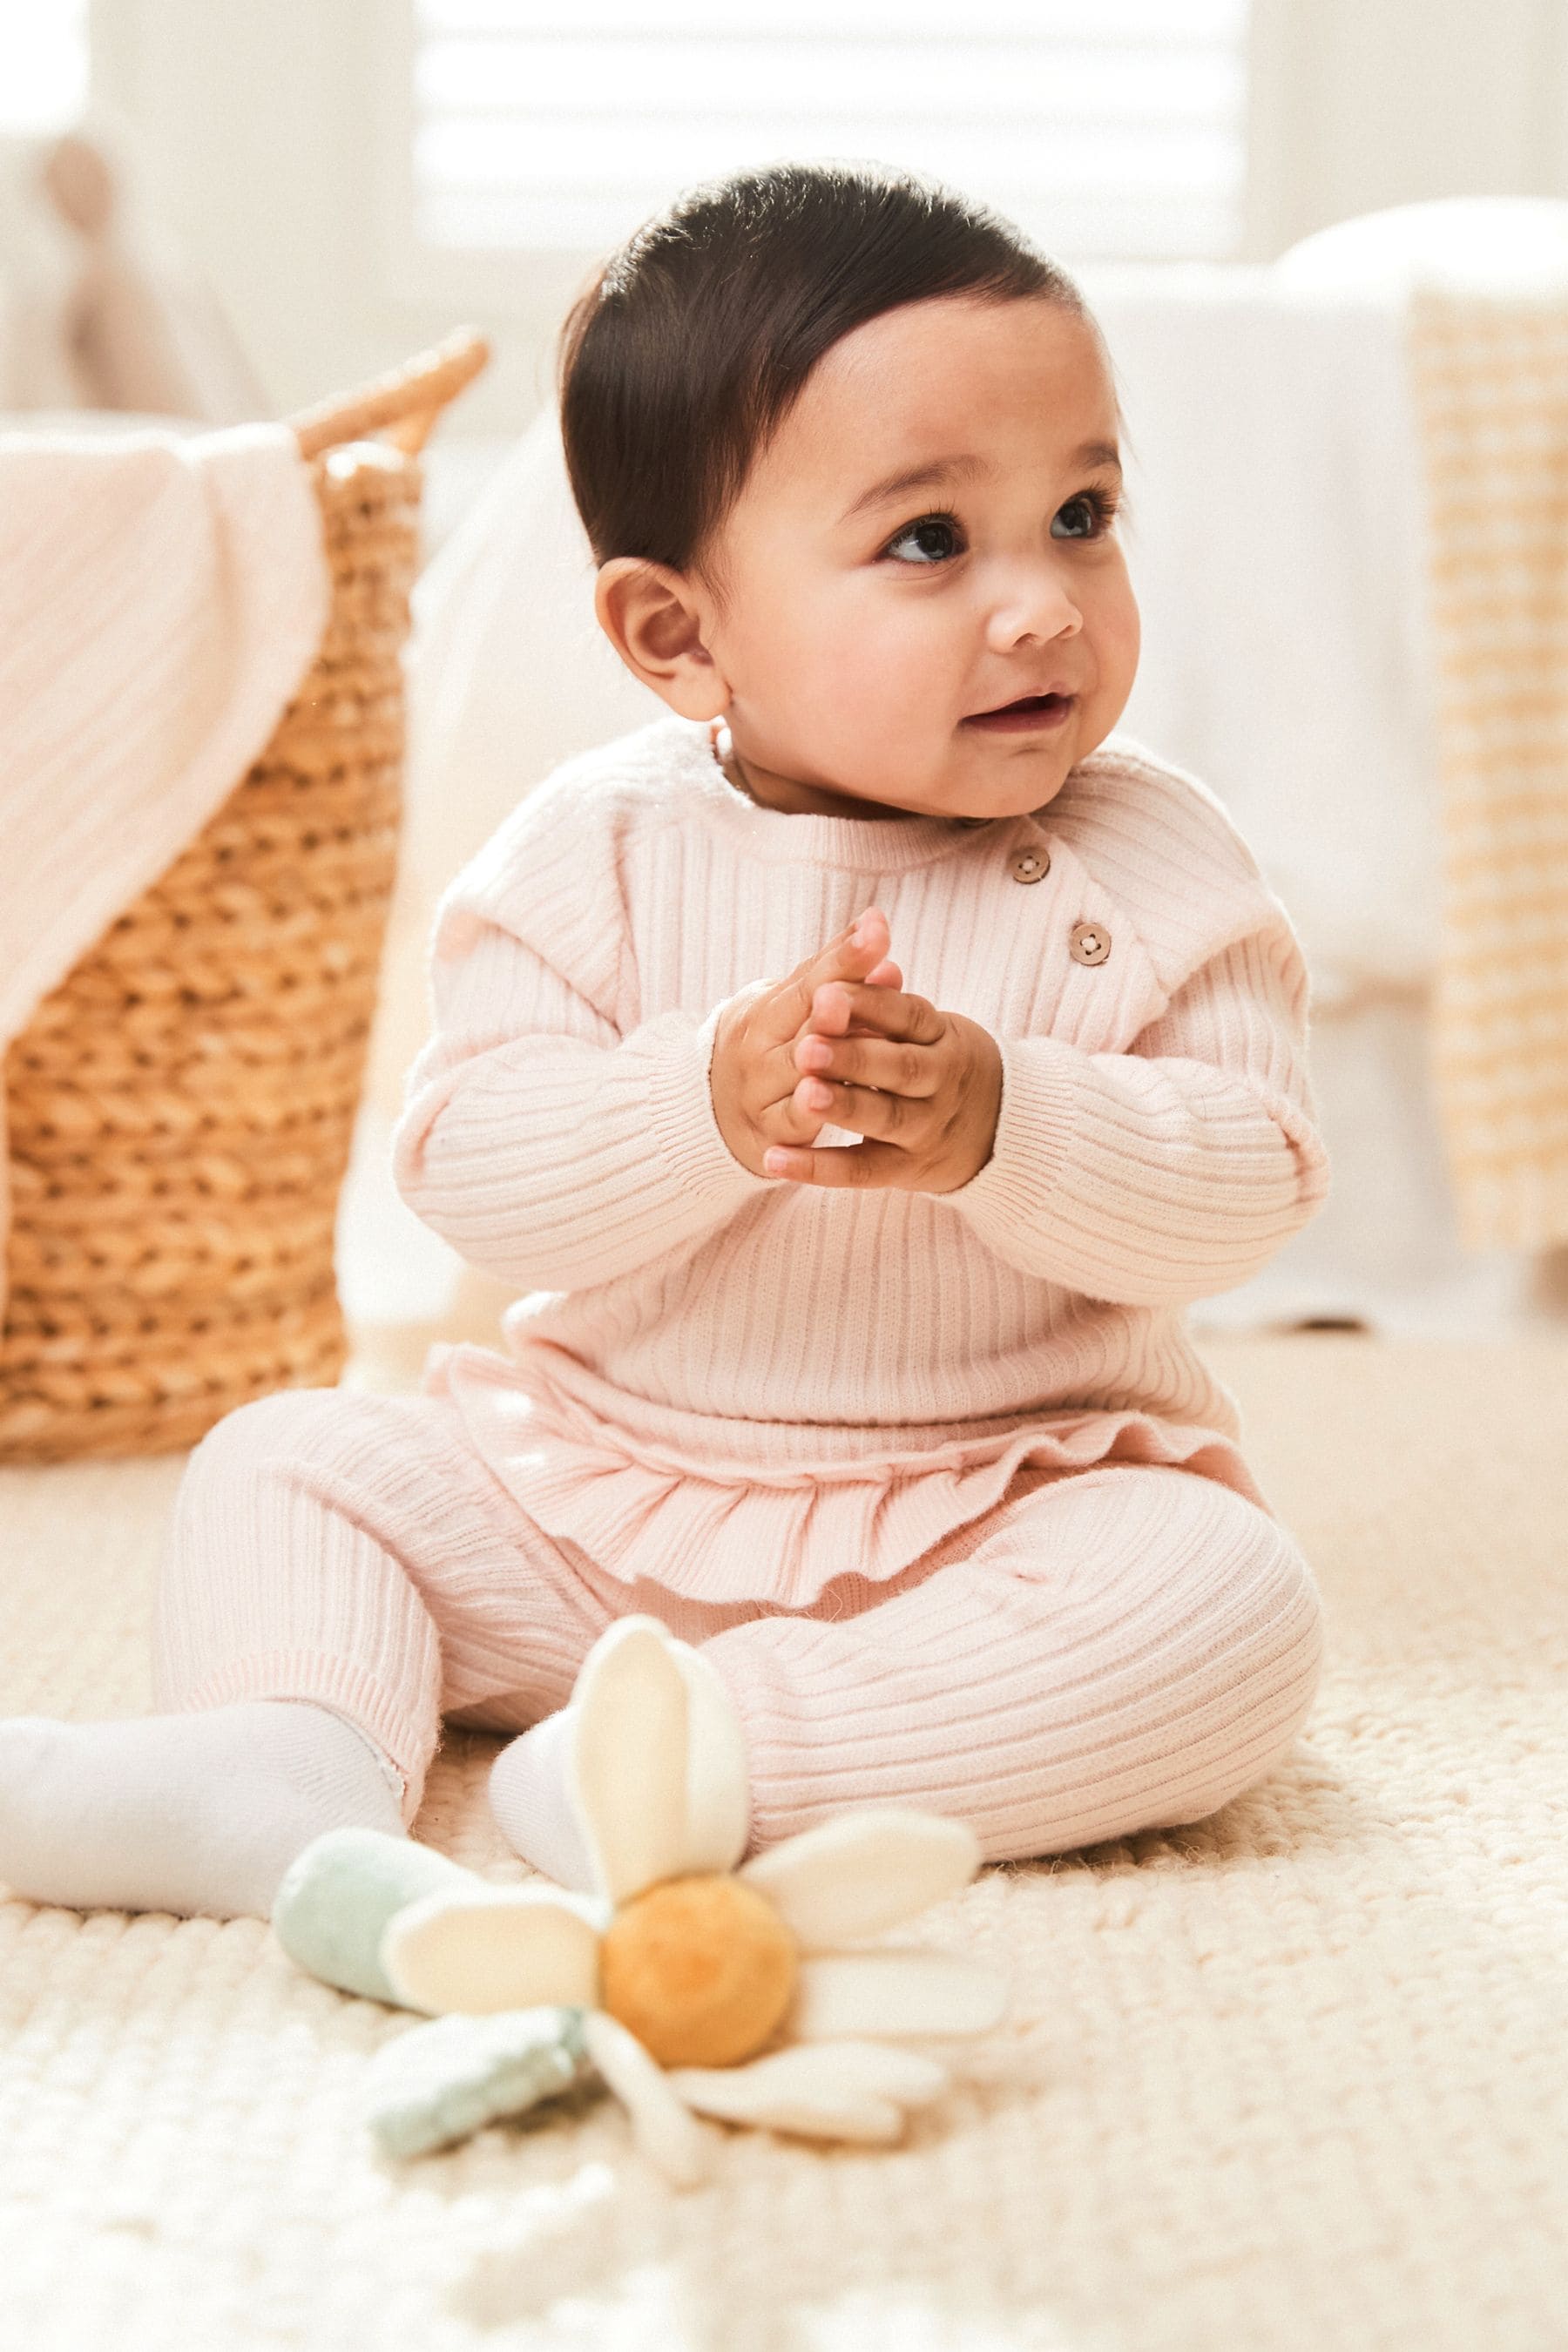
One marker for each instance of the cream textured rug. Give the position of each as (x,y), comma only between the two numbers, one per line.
(1293,2078)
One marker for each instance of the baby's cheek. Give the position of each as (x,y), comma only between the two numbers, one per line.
(881,677)
(1118,635)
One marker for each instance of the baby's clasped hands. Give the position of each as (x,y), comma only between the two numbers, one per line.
(841,1036)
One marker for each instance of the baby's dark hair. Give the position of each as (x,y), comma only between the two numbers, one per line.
(687,347)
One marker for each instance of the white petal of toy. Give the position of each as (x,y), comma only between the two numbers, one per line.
(863,1872)
(510,1947)
(845,1994)
(629,1757)
(841,2090)
(668,2132)
(717,1782)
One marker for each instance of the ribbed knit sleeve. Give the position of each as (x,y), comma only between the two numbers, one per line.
(546,1147)
(1161,1175)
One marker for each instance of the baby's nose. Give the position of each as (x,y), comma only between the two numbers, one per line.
(1036,601)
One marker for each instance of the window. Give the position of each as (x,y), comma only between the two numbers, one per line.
(1112,132)
(43,64)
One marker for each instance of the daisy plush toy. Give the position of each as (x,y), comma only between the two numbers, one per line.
(689,1983)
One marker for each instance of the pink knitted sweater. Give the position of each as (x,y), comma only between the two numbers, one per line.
(741,1386)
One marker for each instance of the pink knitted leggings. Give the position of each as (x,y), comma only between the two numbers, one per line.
(1104,1650)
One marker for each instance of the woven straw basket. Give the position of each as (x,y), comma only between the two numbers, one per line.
(180,1108)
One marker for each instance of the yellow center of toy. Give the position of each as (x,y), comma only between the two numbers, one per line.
(700,1969)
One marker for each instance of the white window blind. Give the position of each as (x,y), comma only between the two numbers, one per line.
(1110,132)
(43,64)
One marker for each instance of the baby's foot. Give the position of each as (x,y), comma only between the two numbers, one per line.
(532,1808)
(198,1813)
(531,1780)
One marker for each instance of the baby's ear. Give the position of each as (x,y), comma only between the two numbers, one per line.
(653,619)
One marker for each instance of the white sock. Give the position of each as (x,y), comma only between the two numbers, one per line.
(530,1801)
(190,1814)
(533,1810)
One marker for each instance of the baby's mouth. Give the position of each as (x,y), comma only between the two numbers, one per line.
(1042,711)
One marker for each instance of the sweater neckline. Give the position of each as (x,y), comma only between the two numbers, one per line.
(866,844)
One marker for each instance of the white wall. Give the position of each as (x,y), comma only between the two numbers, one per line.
(263,126)
(1360,104)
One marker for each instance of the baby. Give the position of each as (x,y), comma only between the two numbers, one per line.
(857,1069)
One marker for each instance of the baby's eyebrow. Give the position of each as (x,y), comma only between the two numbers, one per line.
(932,476)
(939,471)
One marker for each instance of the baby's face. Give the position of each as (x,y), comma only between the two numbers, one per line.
(863,627)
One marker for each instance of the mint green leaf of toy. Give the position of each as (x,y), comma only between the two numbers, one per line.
(440,2082)
(334,1900)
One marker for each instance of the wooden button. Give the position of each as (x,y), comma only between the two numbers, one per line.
(1090,943)
(1029,865)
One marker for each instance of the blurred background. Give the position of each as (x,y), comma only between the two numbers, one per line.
(1298,221)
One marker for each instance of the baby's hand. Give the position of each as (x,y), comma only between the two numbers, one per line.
(926,1085)
(759,1092)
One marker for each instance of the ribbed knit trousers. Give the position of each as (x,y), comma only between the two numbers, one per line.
(1108,1650)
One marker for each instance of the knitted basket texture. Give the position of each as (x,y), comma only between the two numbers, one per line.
(180,1110)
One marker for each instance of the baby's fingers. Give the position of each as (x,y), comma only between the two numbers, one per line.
(794,1120)
(845,957)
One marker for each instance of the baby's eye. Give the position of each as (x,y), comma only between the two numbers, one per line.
(1101,508)
(940,529)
